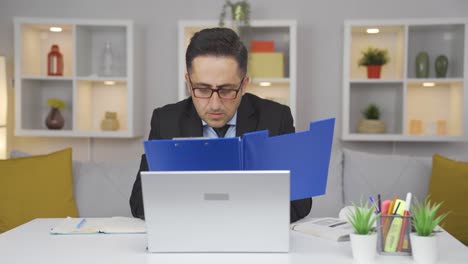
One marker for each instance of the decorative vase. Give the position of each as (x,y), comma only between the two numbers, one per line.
(422,65)
(441,66)
(110,122)
(370,126)
(363,247)
(424,249)
(54,119)
(373,71)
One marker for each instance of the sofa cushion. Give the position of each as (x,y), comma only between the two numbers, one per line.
(368,174)
(449,184)
(34,187)
(103,188)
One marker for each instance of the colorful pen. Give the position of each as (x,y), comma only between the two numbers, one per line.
(405,220)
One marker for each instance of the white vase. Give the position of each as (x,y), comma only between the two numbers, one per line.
(424,249)
(363,247)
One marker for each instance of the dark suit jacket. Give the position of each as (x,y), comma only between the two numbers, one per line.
(181,120)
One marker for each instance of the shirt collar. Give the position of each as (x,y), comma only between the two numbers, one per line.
(231,122)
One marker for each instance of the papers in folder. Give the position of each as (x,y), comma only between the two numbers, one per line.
(112,225)
(306,154)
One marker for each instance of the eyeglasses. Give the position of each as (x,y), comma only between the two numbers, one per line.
(223,93)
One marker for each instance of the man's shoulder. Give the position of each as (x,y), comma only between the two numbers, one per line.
(261,103)
(174,108)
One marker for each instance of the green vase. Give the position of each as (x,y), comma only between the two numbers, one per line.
(441,66)
(422,65)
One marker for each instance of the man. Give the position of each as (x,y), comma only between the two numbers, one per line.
(219,106)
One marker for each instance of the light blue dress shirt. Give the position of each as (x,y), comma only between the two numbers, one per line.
(231,132)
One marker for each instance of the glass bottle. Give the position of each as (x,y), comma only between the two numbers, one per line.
(107,60)
(54,61)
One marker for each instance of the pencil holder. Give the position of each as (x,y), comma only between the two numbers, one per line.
(393,235)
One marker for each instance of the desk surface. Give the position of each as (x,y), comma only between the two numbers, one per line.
(32,243)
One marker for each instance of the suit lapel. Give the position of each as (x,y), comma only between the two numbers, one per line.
(247,121)
(191,126)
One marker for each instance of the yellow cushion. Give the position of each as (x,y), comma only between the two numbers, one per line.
(449,184)
(36,187)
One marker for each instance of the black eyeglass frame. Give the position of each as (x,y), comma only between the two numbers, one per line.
(216,90)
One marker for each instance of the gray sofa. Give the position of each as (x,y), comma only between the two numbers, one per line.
(103,189)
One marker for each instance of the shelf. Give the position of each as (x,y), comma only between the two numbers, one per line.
(447,39)
(36,41)
(87,92)
(94,98)
(413,109)
(391,38)
(91,42)
(35,94)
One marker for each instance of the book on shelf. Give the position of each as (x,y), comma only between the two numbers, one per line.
(112,225)
(330,228)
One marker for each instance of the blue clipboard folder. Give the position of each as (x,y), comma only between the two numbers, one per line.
(305,154)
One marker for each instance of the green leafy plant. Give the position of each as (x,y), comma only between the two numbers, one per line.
(362,218)
(56,103)
(240,11)
(425,217)
(372,111)
(374,56)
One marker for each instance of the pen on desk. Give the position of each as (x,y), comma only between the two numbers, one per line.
(81,223)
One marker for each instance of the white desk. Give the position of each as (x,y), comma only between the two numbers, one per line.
(32,243)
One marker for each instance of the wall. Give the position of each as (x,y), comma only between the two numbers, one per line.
(320,49)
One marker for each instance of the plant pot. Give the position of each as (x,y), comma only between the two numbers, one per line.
(373,71)
(54,119)
(424,249)
(368,126)
(363,247)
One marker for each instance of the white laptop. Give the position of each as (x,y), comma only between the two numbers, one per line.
(217,211)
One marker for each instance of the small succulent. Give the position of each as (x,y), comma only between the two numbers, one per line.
(372,111)
(374,56)
(56,103)
(424,217)
(362,218)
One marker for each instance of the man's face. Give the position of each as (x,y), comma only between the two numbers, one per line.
(216,73)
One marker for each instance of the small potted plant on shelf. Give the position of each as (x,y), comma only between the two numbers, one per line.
(240,13)
(371,124)
(55,119)
(364,238)
(424,240)
(373,58)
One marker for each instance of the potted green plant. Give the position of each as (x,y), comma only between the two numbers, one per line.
(424,240)
(55,119)
(240,13)
(373,58)
(364,238)
(371,124)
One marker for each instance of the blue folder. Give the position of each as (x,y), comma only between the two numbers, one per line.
(306,154)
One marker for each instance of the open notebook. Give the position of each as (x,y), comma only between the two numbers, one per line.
(113,225)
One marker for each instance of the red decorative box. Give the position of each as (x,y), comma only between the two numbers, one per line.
(262,46)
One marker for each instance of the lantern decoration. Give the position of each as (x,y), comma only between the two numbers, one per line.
(54,62)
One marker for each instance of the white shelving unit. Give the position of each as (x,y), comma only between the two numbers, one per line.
(284,35)
(403,98)
(88,94)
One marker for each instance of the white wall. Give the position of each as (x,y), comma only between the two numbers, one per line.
(320,49)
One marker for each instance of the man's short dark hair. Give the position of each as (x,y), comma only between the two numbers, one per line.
(218,42)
